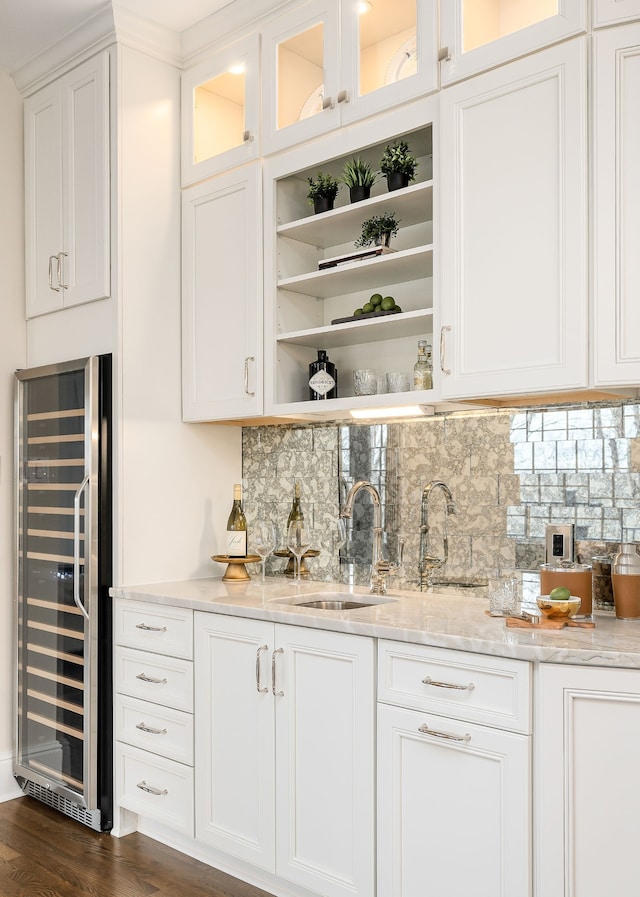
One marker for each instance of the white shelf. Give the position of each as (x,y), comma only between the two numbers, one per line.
(340,407)
(398,267)
(372,330)
(412,205)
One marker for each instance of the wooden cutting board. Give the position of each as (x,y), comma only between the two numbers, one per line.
(545,623)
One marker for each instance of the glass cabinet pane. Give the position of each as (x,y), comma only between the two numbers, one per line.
(387,44)
(300,76)
(484,21)
(219,114)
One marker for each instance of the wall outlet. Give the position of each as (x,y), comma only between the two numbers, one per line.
(559,543)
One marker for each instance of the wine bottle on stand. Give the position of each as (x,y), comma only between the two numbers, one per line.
(237,527)
(296,509)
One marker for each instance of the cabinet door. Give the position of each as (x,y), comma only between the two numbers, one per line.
(324,687)
(234,757)
(586,806)
(222,297)
(454,808)
(514,228)
(616,218)
(478,36)
(221,111)
(611,12)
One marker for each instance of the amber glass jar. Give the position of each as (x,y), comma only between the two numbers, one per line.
(576,577)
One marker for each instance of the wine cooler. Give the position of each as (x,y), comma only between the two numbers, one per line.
(63,640)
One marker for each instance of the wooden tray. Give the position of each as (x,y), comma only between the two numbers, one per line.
(544,623)
(366,315)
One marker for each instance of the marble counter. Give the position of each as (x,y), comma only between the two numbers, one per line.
(452,620)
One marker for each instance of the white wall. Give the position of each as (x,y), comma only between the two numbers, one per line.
(12,356)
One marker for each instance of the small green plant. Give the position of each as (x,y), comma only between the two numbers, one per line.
(398,158)
(376,228)
(324,185)
(357,173)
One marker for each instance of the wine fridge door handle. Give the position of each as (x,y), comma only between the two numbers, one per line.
(76,546)
(246,374)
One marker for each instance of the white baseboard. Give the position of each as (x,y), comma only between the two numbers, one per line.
(8,785)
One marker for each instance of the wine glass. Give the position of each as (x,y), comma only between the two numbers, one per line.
(298,542)
(264,539)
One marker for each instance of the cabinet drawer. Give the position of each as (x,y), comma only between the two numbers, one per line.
(494,691)
(155,788)
(161,680)
(151,727)
(154,627)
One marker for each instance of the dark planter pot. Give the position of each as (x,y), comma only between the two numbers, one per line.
(357,194)
(323,204)
(382,239)
(397,180)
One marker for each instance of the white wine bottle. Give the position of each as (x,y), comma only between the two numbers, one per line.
(237,527)
(296,510)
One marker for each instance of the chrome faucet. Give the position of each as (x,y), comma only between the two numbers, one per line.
(380,566)
(430,562)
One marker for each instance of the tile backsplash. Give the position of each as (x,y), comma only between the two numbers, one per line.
(510,473)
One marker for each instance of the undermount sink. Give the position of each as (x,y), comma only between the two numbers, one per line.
(335,601)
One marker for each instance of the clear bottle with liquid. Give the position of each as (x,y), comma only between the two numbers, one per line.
(237,527)
(296,512)
(423,368)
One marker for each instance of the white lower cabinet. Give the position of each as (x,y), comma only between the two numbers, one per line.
(588,774)
(454,797)
(285,750)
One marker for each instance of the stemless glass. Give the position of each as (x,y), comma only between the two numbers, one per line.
(298,542)
(264,539)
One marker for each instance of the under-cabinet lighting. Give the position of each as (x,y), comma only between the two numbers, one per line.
(237,69)
(400,411)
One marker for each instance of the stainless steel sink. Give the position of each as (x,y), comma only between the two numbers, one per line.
(322,604)
(335,601)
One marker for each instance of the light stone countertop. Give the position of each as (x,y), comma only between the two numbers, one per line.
(448,620)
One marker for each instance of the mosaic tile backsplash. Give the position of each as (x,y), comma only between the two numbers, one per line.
(510,473)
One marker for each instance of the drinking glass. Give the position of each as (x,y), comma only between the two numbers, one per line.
(265,539)
(298,542)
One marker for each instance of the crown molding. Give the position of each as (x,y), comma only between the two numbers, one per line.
(225,26)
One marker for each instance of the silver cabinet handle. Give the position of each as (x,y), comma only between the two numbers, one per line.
(443,366)
(246,374)
(145,728)
(343,96)
(247,136)
(60,256)
(425,730)
(430,681)
(327,103)
(444,55)
(150,789)
(151,628)
(76,546)
(278,694)
(145,678)
(51,286)
(260,689)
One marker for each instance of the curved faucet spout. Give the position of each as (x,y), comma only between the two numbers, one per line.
(430,562)
(379,566)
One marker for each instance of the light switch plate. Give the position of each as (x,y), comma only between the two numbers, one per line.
(559,543)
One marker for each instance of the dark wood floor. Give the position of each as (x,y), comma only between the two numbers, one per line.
(45,854)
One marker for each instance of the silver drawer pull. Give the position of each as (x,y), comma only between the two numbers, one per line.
(430,681)
(425,730)
(145,728)
(150,789)
(146,678)
(262,690)
(151,628)
(278,694)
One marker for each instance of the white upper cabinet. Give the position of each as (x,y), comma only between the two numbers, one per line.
(327,63)
(514,228)
(616,216)
(221,111)
(478,36)
(67,189)
(613,12)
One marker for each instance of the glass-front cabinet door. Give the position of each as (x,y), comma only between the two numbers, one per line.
(476,36)
(221,111)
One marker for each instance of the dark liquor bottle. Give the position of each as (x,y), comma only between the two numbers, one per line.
(323,378)
(237,527)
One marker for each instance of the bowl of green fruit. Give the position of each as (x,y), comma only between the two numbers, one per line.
(559,604)
(376,306)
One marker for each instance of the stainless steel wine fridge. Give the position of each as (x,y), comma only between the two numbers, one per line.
(64,669)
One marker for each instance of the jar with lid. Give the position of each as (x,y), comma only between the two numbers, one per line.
(574,576)
(602,585)
(423,368)
(625,577)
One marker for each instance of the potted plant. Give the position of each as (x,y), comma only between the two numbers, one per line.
(398,164)
(322,192)
(378,230)
(359,177)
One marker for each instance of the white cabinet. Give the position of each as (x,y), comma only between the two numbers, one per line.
(222,297)
(67,189)
(221,111)
(328,63)
(284,750)
(514,228)
(616,219)
(613,12)
(305,294)
(588,725)
(454,797)
(478,36)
